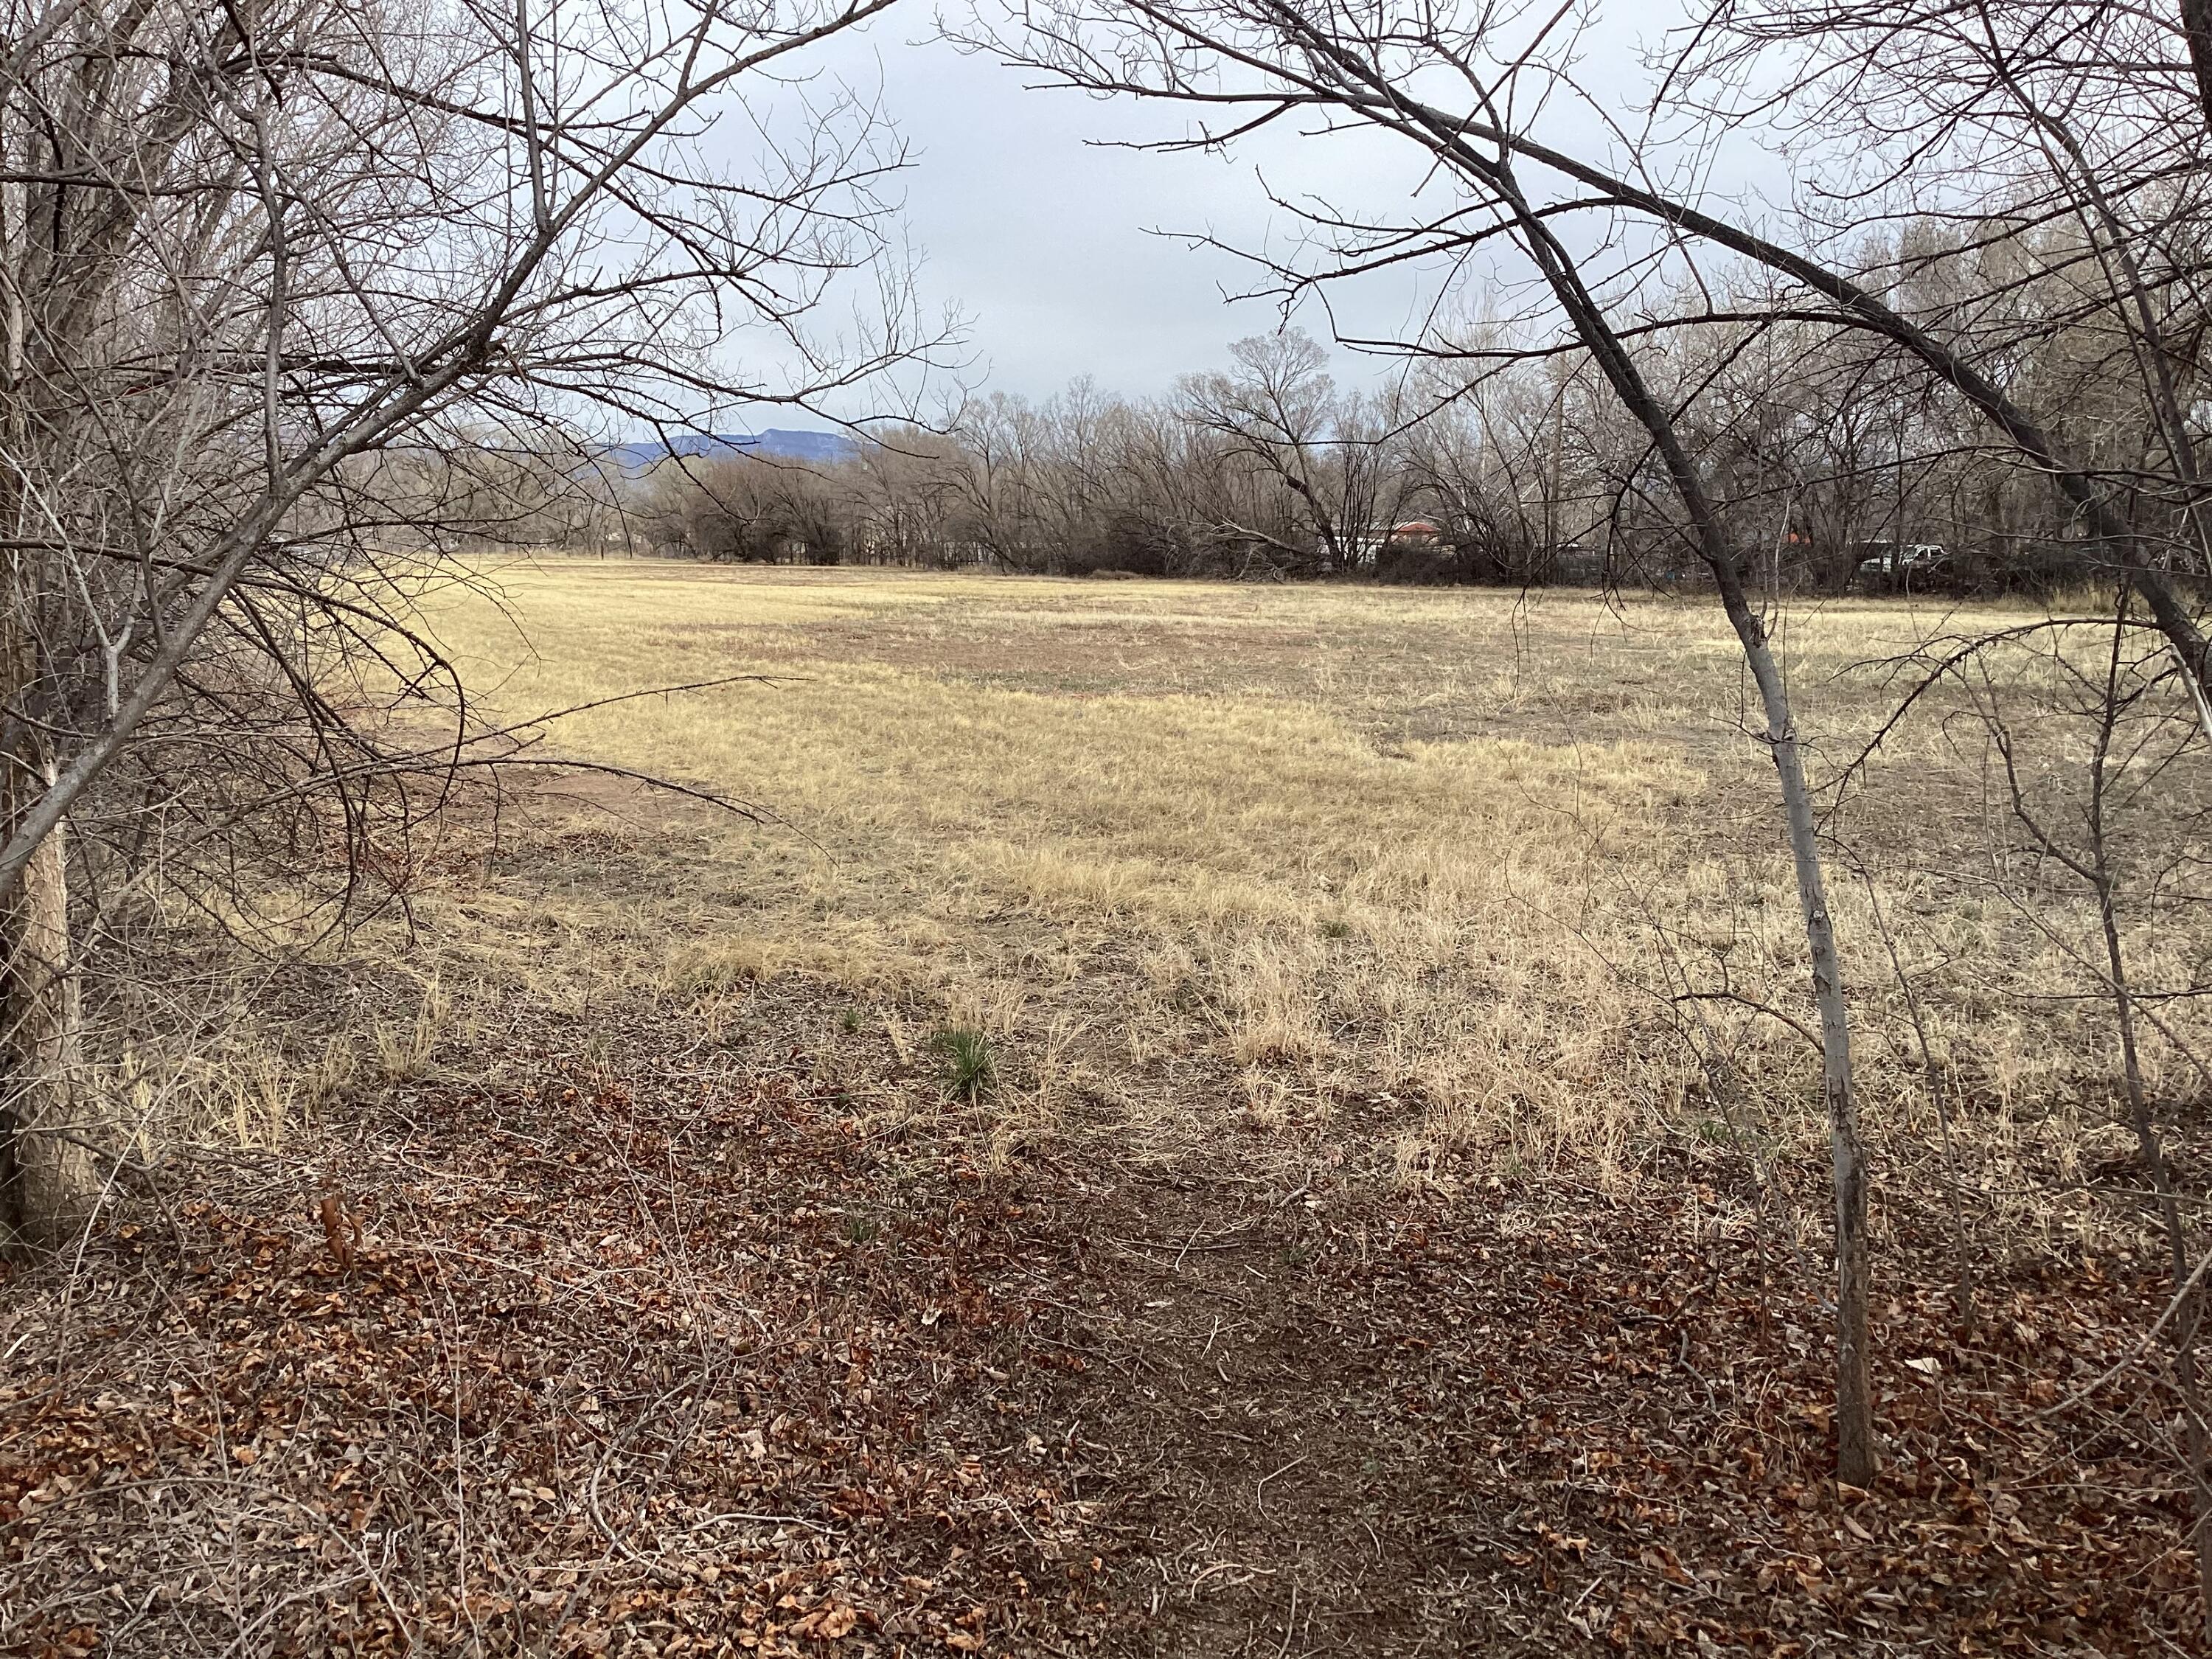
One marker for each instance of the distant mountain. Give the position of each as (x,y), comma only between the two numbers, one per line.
(791,444)
(777,443)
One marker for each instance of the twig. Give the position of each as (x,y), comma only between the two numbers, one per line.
(1260,1485)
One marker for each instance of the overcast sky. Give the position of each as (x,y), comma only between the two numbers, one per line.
(1046,241)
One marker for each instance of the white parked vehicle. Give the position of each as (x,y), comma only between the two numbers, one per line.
(1897,567)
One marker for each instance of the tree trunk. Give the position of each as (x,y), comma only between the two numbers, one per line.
(49,1183)
(1856,1451)
(1857,1456)
(2196,29)
(1452,139)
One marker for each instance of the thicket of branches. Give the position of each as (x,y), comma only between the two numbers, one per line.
(282,282)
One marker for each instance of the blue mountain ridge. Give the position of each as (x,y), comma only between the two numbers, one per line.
(776,443)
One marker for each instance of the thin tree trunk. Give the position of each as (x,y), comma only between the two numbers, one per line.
(1856,1452)
(2150,1144)
(2187,1381)
(2097,872)
(49,1183)
(1856,1455)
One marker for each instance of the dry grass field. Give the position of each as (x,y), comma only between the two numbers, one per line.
(1203,858)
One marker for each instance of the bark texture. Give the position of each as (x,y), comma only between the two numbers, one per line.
(50,1181)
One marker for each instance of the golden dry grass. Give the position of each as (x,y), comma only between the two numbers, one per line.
(1208,858)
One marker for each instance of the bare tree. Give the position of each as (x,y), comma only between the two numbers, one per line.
(249,256)
(1277,409)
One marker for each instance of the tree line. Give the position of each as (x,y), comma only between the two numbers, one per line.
(1496,459)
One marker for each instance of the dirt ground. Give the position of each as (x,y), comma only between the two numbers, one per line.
(664,1354)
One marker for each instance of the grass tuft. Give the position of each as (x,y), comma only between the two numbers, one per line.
(967,1068)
